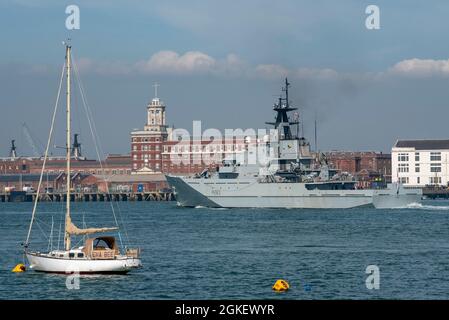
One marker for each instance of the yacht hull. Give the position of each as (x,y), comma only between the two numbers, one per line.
(43,263)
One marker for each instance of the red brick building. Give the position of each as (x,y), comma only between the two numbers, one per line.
(113,164)
(364,165)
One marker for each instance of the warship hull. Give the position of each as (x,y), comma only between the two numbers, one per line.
(191,192)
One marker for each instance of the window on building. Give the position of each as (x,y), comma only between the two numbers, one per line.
(134,147)
(402,156)
(135,157)
(135,166)
(416,156)
(417,168)
(403,180)
(157,156)
(435,167)
(403,167)
(435,156)
(435,180)
(418,180)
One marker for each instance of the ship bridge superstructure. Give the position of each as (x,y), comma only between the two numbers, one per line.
(293,151)
(283,122)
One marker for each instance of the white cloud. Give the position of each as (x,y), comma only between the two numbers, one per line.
(171,62)
(421,68)
(232,65)
(199,63)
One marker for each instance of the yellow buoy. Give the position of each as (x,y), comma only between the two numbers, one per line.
(281,285)
(19,268)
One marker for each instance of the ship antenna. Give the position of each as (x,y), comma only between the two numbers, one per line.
(316,146)
(287,84)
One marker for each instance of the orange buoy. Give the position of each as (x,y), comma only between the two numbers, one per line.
(281,285)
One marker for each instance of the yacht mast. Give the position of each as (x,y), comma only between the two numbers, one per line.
(68,145)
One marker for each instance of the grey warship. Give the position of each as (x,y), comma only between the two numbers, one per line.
(289,178)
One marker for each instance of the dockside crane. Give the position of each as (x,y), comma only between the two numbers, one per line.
(26,131)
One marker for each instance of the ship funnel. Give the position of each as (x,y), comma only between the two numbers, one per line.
(76,147)
(13,152)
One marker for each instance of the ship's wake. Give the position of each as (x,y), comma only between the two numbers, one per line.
(420,206)
(209,208)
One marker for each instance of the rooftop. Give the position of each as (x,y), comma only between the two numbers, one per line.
(423,144)
(127,178)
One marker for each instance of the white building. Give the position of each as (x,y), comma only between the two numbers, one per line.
(420,162)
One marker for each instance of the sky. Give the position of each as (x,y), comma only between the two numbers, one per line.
(223,62)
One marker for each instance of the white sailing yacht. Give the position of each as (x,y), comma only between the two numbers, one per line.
(99,254)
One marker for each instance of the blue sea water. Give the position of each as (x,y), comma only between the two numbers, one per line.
(239,253)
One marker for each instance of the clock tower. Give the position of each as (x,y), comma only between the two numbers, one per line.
(147,144)
(156,114)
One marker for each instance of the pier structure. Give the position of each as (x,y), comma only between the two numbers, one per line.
(88,196)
